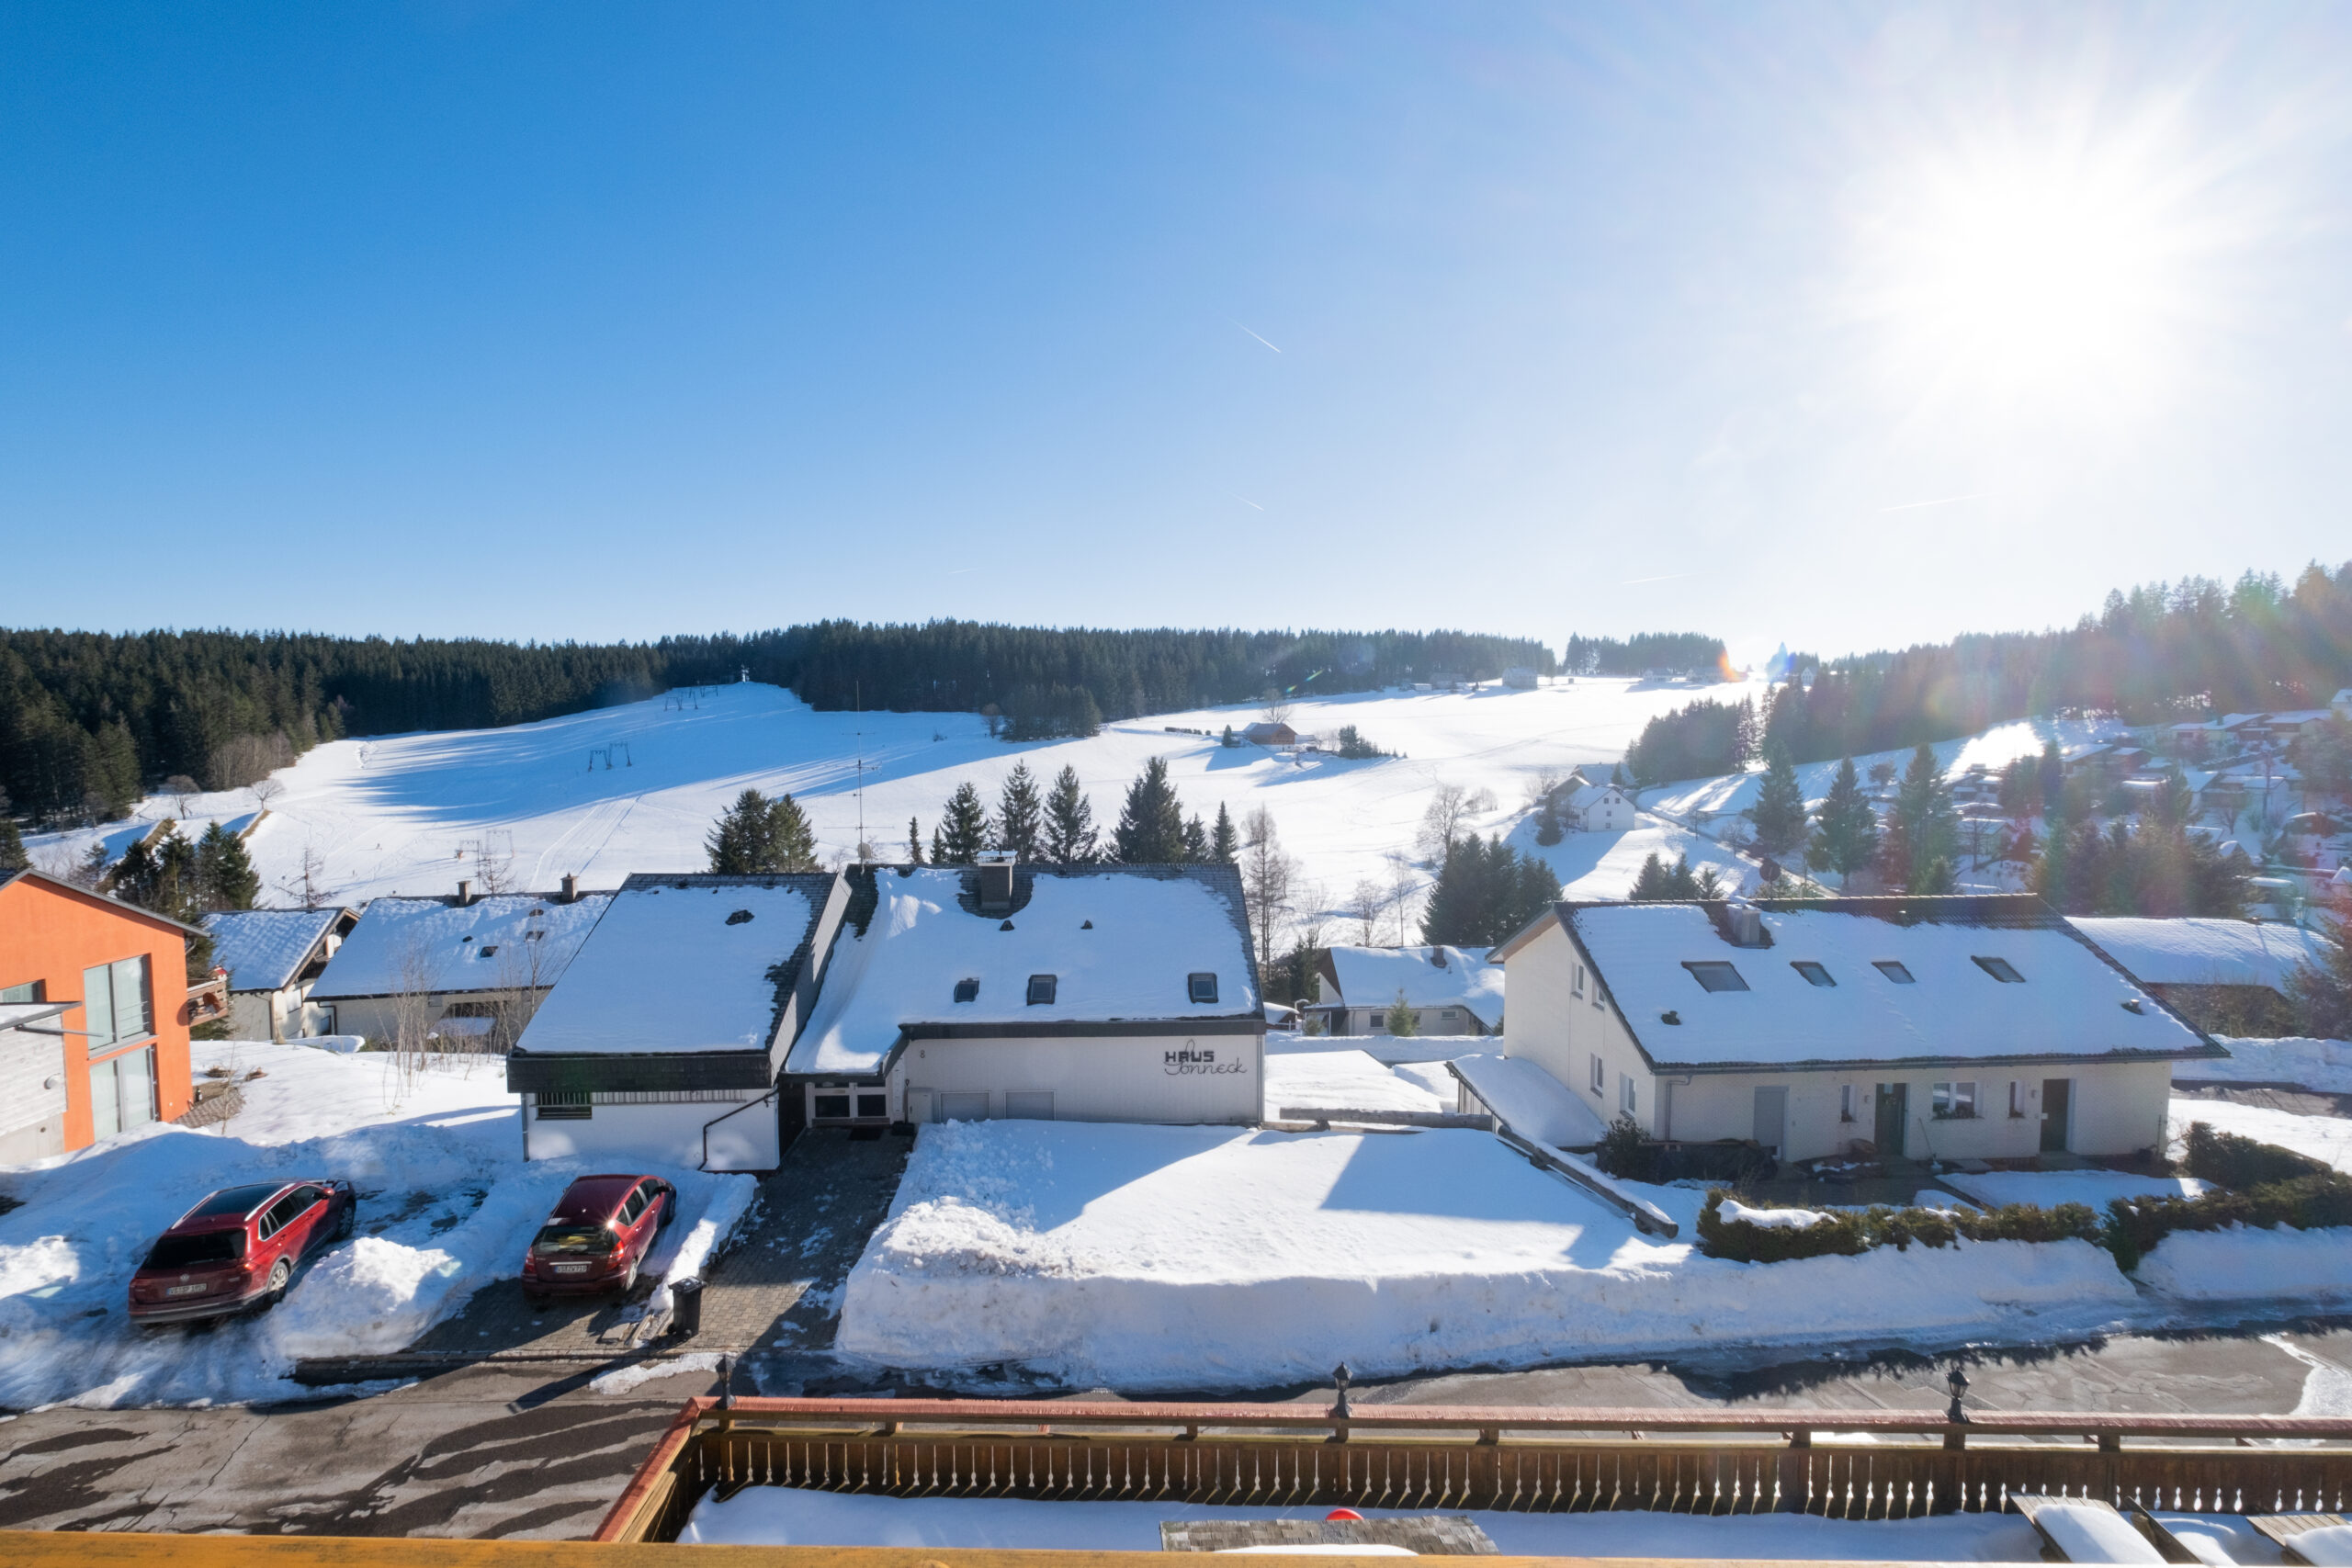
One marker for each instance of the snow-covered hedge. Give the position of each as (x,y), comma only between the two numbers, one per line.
(2321,1201)
(1727,1230)
(2232,1161)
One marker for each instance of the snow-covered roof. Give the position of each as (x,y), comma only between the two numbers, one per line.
(1372,976)
(483,946)
(680,968)
(2195,951)
(1122,943)
(2068,1001)
(1530,1101)
(1592,794)
(263,949)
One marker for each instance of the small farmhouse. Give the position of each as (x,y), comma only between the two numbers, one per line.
(274,958)
(1447,991)
(663,1038)
(1120,993)
(1965,1027)
(1598,807)
(2228,976)
(1270,732)
(465,968)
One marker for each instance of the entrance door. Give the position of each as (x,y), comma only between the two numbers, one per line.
(1893,1116)
(2057,1101)
(1772,1119)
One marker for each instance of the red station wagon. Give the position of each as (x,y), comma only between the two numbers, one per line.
(239,1246)
(597,1236)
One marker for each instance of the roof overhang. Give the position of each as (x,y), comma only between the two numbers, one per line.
(1949,1065)
(644,1072)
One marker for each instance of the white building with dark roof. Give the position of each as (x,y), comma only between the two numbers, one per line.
(664,1038)
(1070,993)
(459,963)
(1447,990)
(1971,1027)
(274,958)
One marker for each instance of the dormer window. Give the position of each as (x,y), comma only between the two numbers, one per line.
(1714,975)
(2001,969)
(1201,987)
(968,989)
(490,950)
(1041,990)
(1893,971)
(1815,974)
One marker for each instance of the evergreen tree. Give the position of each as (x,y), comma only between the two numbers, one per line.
(1069,821)
(1845,832)
(1921,828)
(1548,830)
(1938,878)
(1400,1017)
(1778,813)
(1020,815)
(12,844)
(1224,841)
(1152,823)
(225,870)
(1658,882)
(1229,740)
(2051,768)
(963,830)
(2149,871)
(2322,994)
(1196,841)
(914,841)
(1652,884)
(759,837)
(1485,893)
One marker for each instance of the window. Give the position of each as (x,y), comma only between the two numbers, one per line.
(1578,987)
(1847,1094)
(1714,975)
(828,1107)
(1893,971)
(2016,1099)
(283,1213)
(115,1002)
(1378,1023)
(1599,1076)
(1625,1093)
(490,950)
(1451,1015)
(634,1207)
(968,989)
(566,1105)
(872,1107)
(2001,969)
(1815,974)
(122,1092)
(1041,990)
(30,991)
(1955,1101)
(1201,986)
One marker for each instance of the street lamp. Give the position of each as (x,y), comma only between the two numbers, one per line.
(1957,1381)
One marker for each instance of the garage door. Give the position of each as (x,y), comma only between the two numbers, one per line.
(962,1107)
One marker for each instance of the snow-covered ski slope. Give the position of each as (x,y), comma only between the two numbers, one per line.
(634,788)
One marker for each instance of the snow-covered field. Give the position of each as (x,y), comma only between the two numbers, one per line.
(412,813)
(1198,1258)
(446,1205)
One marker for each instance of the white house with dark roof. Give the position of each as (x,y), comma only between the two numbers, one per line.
(1448,990)
(274,958)
(463,963)
(664,1038)
(1069,993)
(1967,1027)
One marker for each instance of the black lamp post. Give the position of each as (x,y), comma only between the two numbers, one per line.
(1341,1376)
(1958,1382)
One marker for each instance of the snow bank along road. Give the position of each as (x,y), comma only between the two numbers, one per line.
(391,814)
(446,1204)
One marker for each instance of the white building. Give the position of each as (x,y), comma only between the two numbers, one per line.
(1069,993)
(1596,807)
(663,1040)
(274,958)
(463,965)
(1972,1027)
(1448,990)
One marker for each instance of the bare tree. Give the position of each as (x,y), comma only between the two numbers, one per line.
(1278,707)
(1365,906)
(1404,892)
(493,867)
(1543,785)
(1267,875)
(413,979)
(183,791)
(264,790)
(1443,821)
(308,886)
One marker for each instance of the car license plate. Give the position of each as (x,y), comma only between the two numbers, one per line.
(186,1290)
(571,1268)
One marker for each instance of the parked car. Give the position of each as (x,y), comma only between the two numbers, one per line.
(239,1249)
(597,1236)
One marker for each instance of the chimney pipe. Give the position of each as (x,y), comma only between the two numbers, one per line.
(465,893)
(572,887)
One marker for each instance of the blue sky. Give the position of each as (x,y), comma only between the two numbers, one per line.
(1846,325)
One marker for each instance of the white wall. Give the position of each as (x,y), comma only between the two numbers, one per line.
(668,1131)
(1161,1077)
(32,1094)
(1561,1032)
(374,1016)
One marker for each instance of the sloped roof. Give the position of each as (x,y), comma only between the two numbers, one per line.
(2070,1003)
(1121,942)
(263,949)
(1372,976)
(42,880)
(2197,952)
(482,946)
(686,965)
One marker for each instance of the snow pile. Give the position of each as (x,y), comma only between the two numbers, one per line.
(2330,1546)
(2239,1264)
(621,1380)
(1532,1102)
(1184,1257)
(2048,1188)
(2325,1066)
(685,1250)
(446,1205)
(2222,1539)
(1341,1080)
(1736,1212)
(2093,1533)
(781,1515)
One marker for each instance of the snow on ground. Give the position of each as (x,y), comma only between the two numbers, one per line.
(1603,866)
(445,1206)
(1342,1080)
(1190,1257)
(781,1515)
(2321,1064)
(1995,748)
(2322,1137)
(412,813)
(2048,1188)
(2240,1264)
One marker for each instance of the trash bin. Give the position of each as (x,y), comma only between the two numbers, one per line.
(685,1308)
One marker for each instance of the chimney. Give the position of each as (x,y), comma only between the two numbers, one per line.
(571,887)
(465,893)
(996,881)
(1744,923)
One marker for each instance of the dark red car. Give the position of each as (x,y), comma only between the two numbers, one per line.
(597,1236)
(239,1247)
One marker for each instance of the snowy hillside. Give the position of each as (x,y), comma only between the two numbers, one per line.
(1993,750)
(634,788)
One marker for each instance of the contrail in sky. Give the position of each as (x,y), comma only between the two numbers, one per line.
(1253,334)
(1243,498)
(1670,577)
(1915,505)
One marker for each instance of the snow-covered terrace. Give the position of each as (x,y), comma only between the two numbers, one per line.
(486,945)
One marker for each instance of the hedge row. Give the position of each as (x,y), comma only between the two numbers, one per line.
(2134,1225)
(2227,1159)
(1850,1232)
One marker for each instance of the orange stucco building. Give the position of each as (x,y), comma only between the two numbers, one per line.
(109,1050)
